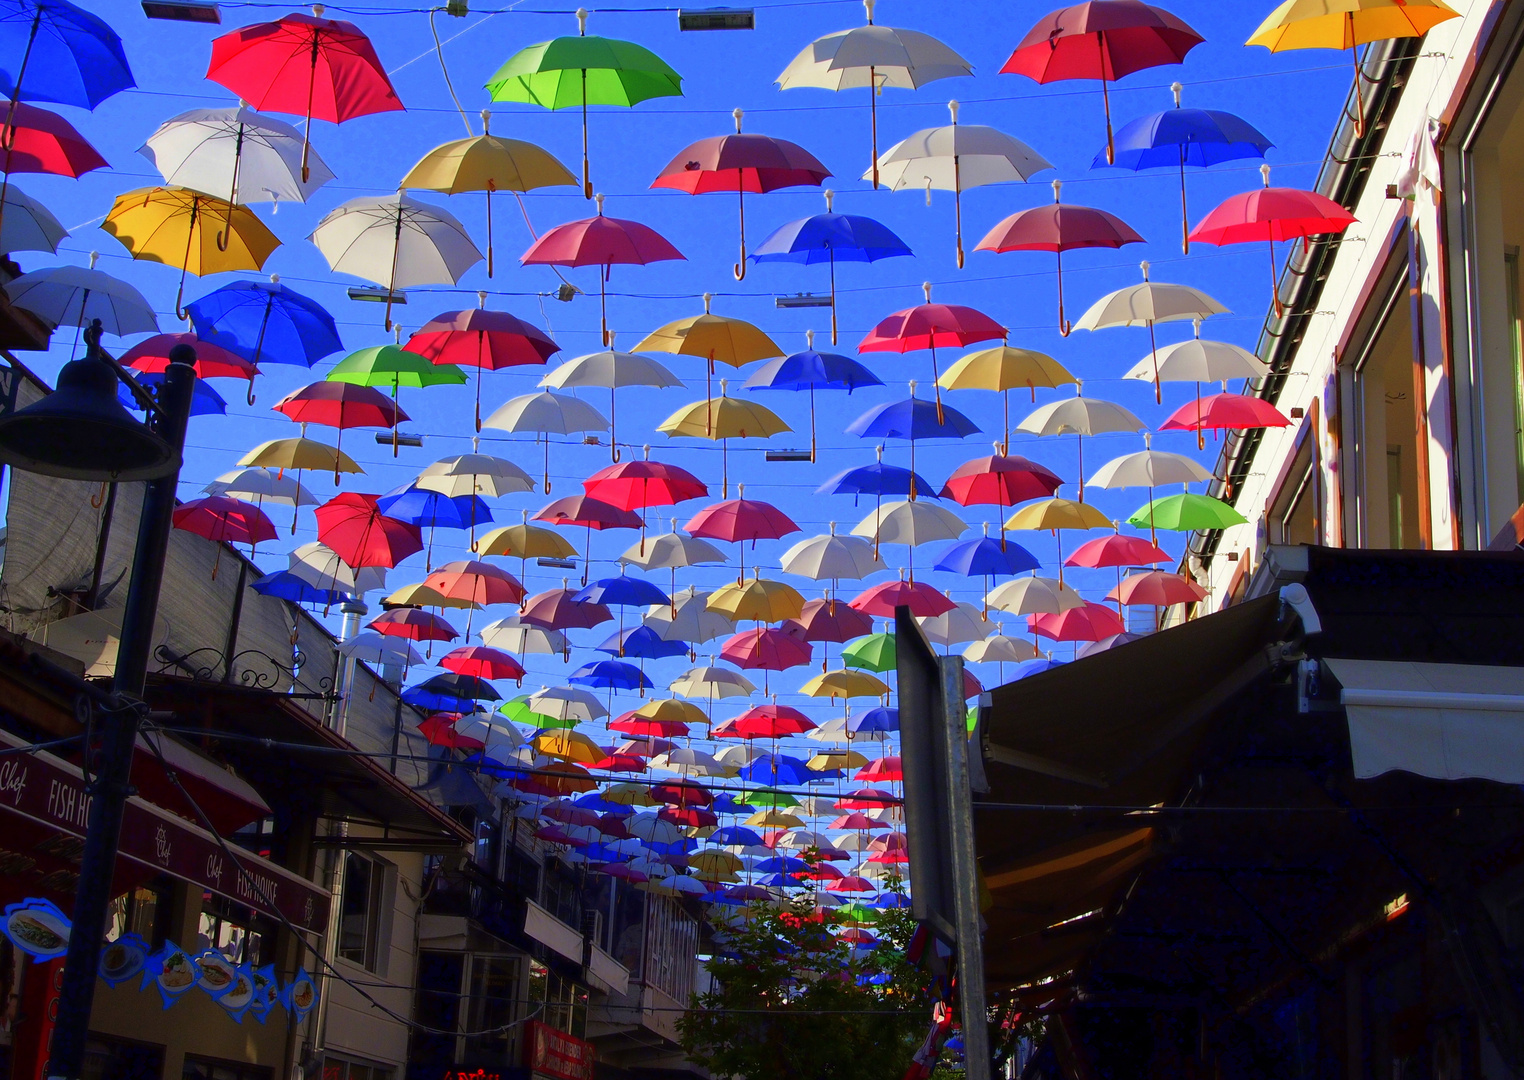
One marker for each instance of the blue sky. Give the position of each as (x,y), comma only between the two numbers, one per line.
(1293,97)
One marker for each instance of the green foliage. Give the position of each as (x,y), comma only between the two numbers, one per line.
(790,1000)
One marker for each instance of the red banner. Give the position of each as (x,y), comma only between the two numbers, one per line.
(557,1054)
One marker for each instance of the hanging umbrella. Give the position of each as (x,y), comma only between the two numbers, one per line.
(1181,137)
(307,66)
(912,419)
(643,643)
(212,361)
(844,683)
(611,370)
(1101,39)
(875,652)
(874,57)
(688,618)
(340,405)
(928,326)
(476,583)
(583,71)
(832,557)
(204,400)
(1200,361)
(768,649)
(1149,468)
(712,682)
(600,241)
(1187,513)
(986,558)
(27,225)
(1157,588)
(61,295)
(1348,24)
(353,525)
(256,484)
(300,454)
(525,541)
(1055,515)
(741,163)
(546,414)
(1090,622)
(830,238)
(919,597)
(72,55)
(1003,369)
(1118,549)
(1033,596)
(999,649)
(265,322)
(1000,481)
(637,485)
(321,566)
(487,163)
(486,340)
(878,480)
(1272,214)
(591,514)
(1059,228)
(739,520)
(1237,412)
(716,337)
(224,520)
(670,551)
(956,158)
(397,242)
(758,599)
(1081,416)
(722,419)
(912,524)
(474,474)
(811,370)
(392,367)
(517,636)
(39,141)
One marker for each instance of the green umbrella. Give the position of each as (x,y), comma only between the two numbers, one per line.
(857,912)
(767,797)
(521,713)
(581,71)
(873,653)
(1186,513)
(394,367)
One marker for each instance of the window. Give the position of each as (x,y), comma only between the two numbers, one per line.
(1385,443)
(202,1068)
(143,910)
(461,992)
(338,1068)
(671,949)
(120,1059)
(560,894)
(629,929)
(234,931)
(562,1003)
(362,910)
(493,1004)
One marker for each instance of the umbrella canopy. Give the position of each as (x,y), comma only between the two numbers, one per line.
(1233,411)
(1157,588)
(875,652)
(392,366)
(1058,514)
(237,153)
(1149,468)
(28,225)
(844,683)
(999,649)
(912,418)
(1033,596)
(1117,549)
(555,609)
(612,370)
(718,338)
(204,400)
(1196,360)
(642,642)
(1147,304)
(487,340)
(911,523)
(476,582)
(768,649)
(521,637)
(1003,369)
(223,519)
(589,512)
(264,321)
(636,485)
(474,474)
(1186,513)
(738,520)
(340,405)
(1000,480)
(758,599)
(72,55)
(212,361)
(483,662)
(712,682)
(985,557)
(414,624)
(525,542)
(74,295)
(931,326)
(688,618)
(919,597)
(353,525)
(827,620)
(811,371)
(1090,622)
(39,141)
(546,414)
(622,591)
(611,675)
(724,418)
(1080,416)
(877,480)
(832,557)
(671,550)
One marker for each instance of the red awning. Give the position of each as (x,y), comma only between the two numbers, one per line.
(228,802)
(43,812)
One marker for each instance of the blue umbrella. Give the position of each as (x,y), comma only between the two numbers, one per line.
(284,585)
(782,864)
(1106,643)
(985,557)
(777,769)
(811,370)
(881,718)
(265,322)
(725,803)
(643,643)
(435,510)
(829,238)
(622,591)
(1181,137)
(610,674)
(878,480)
(595,801)
(736,835)
(1037,667)
(72,56)
(892,900)
(204,400)
(912,419)
(451,692)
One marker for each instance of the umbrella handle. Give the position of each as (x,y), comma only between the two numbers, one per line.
(739,269)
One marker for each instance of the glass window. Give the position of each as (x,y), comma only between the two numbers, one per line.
(360,910)
(1385,443)
(437,1005)
(237,932)
(143,910)
(338,1068)
(562,1004)
(201,1068)
(629,929)
(671,949)
(493,1005)
(119,1059)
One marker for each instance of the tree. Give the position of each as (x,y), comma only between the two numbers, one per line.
(793,1001)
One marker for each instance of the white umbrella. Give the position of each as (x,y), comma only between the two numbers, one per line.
(566,703)
(546,414)
(647,826)
(374,648)
(740,755)
(688,618)
(514,635)
(28,225)
(1149,468)
(955,158)
(965,622)
(61,295)
(1079,416)
(1034,596)
(686,761)
(493,730)
(474,474)
(835,557)
(395,241)
(320,566)
(671,550)
(1199,361)
(910,523)
(1147,304)
(999,649)
(712,682)
(256,485)
(610,370)
(802,839)
(234,153)
(873,57)
(837,731)
(677,885)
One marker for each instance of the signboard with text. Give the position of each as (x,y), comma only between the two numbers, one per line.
(556,1054)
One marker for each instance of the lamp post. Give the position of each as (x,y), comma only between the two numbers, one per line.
(81,432)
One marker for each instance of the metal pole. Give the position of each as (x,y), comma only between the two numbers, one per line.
(119,730)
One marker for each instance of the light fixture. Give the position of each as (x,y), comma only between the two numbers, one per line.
(399,439)
(801,300)
(196,11)
(375,294)
(558,564)
(716,19)
(789,455)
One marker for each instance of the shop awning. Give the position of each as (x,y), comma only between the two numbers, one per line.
(43,812)
(1445,721)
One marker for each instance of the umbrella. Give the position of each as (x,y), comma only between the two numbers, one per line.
(1005,368)
(373,648)
(999,649)
(622,591)
(986,558)
(300,454)
(1059,228)
(546,414)
(1117,549)
(414,624)
(474,474)
(1180,137)
(671,550)
(1186,513)
(712,682)
(168,225)
(1082,416)
(772,721)
(565,703)
(874,57)
(834,557)
(486,340)
(353,525)
(911,523)
(212,361)
(1101,39)
(642,642)
(525,541)
(738,520)
(39,141)
(612,370)
(875,652)
(716,337)
(79,58)
(582,71)
(487,163)
(592,514)
(758,599)
(29,226)
(1055,515)
(688,618)
(340,405)
(741,163)
(475,583)
(723,418)
(1200,361)
(1033,596)
(636,485)
(1317,24)
(393,367)
(1149,468)
(521,637)
(611,675)
(811,370)
(483,662)
(256,484)
(1089,622)
(1157,588)
(60,295)
(1272,214)
(600,241)
(396,241)
(912,419)
(204,400)
(928,326)
(265,321)
(1000,480)
(830,238)
(955,158)
(769,649)
(844,683)
(223,519)
(1238,412)
(252,158)
(307,66)
(878,480)
(919,597)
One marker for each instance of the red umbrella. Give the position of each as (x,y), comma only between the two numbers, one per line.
(630,763)
(770,722)
(600,241)
(487,340)
(1089,623)
(212,361)
(739,520)
(972,687)
(223,519)
(341,405)
(635,485)
(741,163)
(826,620)
(1059,228)
(919,597)
(415,624)
(1238,411)
(591,513)
(930,326)
(1116,550)
(1158,588)
(353,525)
(483,662)
(323,68)
(859,822)
(38,141)
(478,582)
(1000,480)
(1102,39)
(766,650)
(563,778)
(886,769)
(631,724)
(555,609)
(852,884)
(439,730)
(697,817)
(1272,214)
(681,793)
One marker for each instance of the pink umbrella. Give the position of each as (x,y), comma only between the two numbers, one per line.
(1116,550)
(885,769)
(1089,623)
(591,513)
(739,520)
(600,241)
(867,799)
(340,405)
(1237,411)
(919,597)
(929,326)
(556,610)
(765,650)
(222,519)
(826,620)
(1059,228)
(486,340)
(1157,588)
(415,624)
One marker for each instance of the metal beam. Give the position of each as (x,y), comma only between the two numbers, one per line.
(965,873)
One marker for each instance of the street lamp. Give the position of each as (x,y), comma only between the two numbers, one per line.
(81,432)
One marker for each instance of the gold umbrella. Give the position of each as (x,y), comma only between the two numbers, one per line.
(569,745)
(299,454)
(716,337)
(672,709)
(421,595)
(724,418)
(488,163)
(759,599)
(198,233)
(845,683)
(1003,369)
(1056,514)
(524,542)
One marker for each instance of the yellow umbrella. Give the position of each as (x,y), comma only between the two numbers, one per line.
(684,712)
(715,337)
(758,599)
(569,745)
(1348,24)
(1056,514)
(827,760)
(715,861)
(299,454)
(525,541)
(629,795)
(1003,369)
(487,163)
(421,595)
(844,683)
(774,819)
(199,233)
(724,418)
